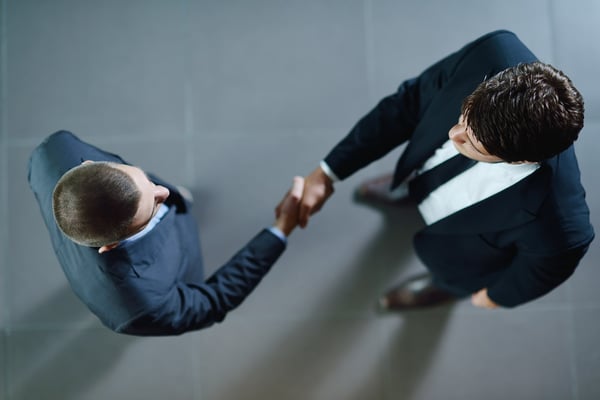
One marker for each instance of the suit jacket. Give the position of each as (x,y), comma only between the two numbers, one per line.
(519,243)
(154,285)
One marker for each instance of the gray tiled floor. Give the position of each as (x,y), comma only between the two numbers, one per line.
(232,99)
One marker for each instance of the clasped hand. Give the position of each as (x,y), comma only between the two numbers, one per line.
(308,197)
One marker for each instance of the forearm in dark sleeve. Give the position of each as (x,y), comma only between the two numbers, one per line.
(393,120)
(189,307)
(532,276)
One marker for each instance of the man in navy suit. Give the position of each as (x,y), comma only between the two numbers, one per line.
(511,223)
(129,246)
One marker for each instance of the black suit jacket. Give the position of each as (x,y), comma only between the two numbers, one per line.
(154,285)
(519,243)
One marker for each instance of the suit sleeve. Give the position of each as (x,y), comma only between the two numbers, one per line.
(533,275)
(548,250)
(386,126)
(189,307)
(395,118)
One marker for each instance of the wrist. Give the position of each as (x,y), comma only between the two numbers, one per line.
(328,172)
(321,176)
(285,228)
(277,232)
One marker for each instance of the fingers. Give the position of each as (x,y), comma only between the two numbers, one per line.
(310,205)
(278,208)
(315,194)
(481,299)
(297,188)
(295,192)
(305,210)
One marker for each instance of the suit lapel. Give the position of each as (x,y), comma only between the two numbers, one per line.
(511,207)
(432,131)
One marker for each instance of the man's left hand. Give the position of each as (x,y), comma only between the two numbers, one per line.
(481,299)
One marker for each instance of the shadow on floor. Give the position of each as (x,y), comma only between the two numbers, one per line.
(82,355)
(390,246)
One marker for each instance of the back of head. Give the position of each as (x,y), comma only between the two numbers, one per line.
(529,112)
(94,204)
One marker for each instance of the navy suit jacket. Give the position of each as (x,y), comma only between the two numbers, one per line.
(519,243)
(154,285)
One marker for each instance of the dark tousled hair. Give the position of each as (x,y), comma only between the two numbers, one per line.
(529,112)
(94,204)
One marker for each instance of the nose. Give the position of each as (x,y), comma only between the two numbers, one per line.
(458,134)
(161,193)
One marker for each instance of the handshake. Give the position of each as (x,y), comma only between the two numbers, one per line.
(306,197)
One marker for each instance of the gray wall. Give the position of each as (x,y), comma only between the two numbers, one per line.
(232,98)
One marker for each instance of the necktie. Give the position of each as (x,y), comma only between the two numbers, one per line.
(428,181)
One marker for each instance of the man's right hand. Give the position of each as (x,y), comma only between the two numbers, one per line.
(317,189)
(286,213)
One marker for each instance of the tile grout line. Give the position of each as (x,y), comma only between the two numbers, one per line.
(570,311)
(5,287)
(369,49)
(552,22)
(189,123)
(570,319)
(572,346)
(3,145)
(370,78)
(571,342)
(189,156)
(189,159)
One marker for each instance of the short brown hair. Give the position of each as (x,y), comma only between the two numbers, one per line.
(94,204)
(529,112)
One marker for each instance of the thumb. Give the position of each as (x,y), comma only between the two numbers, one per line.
(297,188)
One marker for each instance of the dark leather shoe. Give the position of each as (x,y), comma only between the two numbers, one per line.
(417,292)
(376,191)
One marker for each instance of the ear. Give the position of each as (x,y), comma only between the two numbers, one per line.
(86,162)
(107,247)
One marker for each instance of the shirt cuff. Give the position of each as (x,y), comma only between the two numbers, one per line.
(277,232)
(328,171)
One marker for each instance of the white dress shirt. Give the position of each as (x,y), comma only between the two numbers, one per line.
(474,185)
(477,183)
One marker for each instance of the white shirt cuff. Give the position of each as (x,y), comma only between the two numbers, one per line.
(277,232)
(328,171)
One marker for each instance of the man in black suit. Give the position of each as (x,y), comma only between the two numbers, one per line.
(490,132)
(129,246)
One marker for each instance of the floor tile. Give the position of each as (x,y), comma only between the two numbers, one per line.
(292,358)
(278,65)
(574,41)
(488,354)
(98,364)
(405,38)
(586,353)
(100,68)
